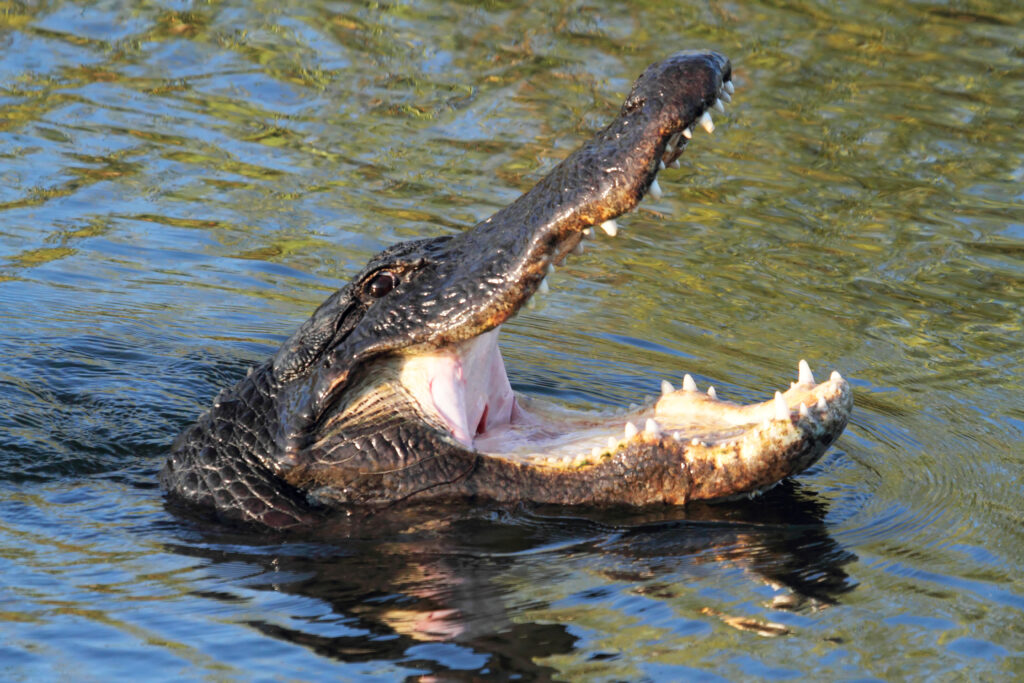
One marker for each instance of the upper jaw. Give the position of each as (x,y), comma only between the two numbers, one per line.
(606,177)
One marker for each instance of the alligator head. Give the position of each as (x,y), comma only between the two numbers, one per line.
(394,391)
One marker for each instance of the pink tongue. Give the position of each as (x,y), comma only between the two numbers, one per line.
(469,387)
(501,400)
(448,390)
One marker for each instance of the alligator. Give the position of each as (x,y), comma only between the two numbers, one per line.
(395,393)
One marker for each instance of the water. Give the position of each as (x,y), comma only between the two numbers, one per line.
(182,184)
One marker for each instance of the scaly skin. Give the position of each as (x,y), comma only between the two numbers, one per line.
(331,422)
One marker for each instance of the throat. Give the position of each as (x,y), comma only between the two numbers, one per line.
(464,385)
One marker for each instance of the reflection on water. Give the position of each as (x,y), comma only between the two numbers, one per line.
(183,184)
(469,578)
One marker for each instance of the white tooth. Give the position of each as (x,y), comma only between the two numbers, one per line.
(595,452)
(652,428)
(630,431)
(669,148)
(611,228)
(578,249)
(675,164)
(688,132)
(729,88)
(694,442)
(781,407)
(661,165)
(551,268)
(718,105)
(706,122)
(633,407)
(612,443)
(836,377)
(726,97)
(821,404)
(587,232)
(655,189)
(803,411)
(805,377)
(666,387)
(712,393)
(543,288)
(689,384)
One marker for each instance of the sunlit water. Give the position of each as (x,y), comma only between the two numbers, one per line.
(181,185)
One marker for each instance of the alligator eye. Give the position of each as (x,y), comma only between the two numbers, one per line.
(382,283)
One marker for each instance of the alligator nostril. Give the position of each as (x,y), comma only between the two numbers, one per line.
(633,104)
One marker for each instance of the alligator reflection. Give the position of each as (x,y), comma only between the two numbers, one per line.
(387,585)
(780,538)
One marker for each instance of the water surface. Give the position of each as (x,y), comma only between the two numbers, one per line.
(182,184)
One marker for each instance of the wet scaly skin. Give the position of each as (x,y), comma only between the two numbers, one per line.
(327,425)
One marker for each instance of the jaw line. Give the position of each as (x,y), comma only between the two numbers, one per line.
(595,184)
(466,391)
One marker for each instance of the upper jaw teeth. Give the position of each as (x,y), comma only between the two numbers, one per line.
(724,95)
(706,122)
(610,227)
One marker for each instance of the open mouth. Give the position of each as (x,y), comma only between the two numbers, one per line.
(394,390)
(464,389)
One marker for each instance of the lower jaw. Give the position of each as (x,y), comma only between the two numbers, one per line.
(546,435)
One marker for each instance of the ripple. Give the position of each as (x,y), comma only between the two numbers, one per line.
(181,188)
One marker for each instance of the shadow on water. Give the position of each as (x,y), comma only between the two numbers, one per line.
(460,578)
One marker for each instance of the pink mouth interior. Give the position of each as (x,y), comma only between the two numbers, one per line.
(466,385)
